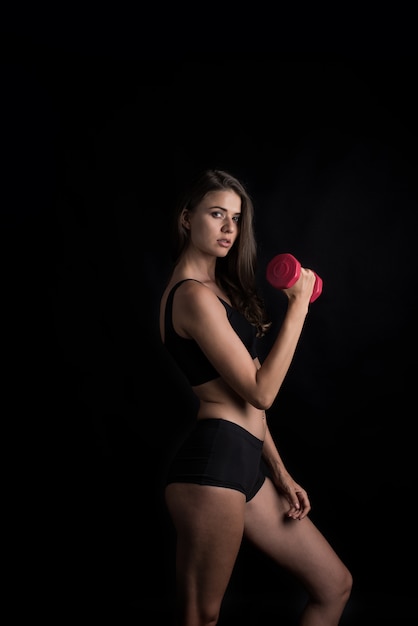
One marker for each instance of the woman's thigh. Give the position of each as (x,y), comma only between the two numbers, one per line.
(209,523)
(297,545)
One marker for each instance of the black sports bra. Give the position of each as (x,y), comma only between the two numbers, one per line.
(187,353)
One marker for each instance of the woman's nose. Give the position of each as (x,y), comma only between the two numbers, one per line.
(228,226)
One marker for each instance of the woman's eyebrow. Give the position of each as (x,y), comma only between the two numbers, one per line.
(215,206)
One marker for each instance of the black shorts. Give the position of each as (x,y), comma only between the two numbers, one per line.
(220,453)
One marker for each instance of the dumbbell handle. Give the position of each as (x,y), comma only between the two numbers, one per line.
(284,270)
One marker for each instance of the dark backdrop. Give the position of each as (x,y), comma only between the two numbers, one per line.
(99,142)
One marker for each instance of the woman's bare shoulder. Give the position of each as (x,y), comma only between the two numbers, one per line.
(193,293)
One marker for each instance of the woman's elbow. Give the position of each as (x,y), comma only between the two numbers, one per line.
(262,402)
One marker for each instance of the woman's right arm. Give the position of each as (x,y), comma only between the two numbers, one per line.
(202,317)
(271,374)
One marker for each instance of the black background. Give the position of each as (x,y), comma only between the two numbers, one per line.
(100,137)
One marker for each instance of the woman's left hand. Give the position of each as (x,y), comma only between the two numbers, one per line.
(294,494)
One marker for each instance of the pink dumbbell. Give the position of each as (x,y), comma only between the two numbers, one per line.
(284,270)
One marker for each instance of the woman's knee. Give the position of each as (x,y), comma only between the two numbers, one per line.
(347,583)
(341,587)
(198,614)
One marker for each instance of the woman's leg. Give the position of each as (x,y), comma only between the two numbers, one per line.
(209,523)
(299,547)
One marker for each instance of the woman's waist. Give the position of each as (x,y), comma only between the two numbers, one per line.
(254,421)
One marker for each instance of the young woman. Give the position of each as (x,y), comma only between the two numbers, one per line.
(217,491)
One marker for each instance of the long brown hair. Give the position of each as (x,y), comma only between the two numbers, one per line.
(235,273)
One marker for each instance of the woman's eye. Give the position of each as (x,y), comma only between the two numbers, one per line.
(219,214)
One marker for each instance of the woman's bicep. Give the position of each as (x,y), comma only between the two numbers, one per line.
(223,347)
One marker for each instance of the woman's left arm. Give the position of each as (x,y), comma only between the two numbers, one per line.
(284,483)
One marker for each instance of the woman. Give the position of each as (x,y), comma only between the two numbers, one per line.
(217,491)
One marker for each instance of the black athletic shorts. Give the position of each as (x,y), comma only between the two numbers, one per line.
(220,453)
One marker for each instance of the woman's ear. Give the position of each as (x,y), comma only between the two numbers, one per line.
(185,219)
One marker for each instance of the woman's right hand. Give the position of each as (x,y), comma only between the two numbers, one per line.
(303,287)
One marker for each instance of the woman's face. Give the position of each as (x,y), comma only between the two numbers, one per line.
(214,224)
